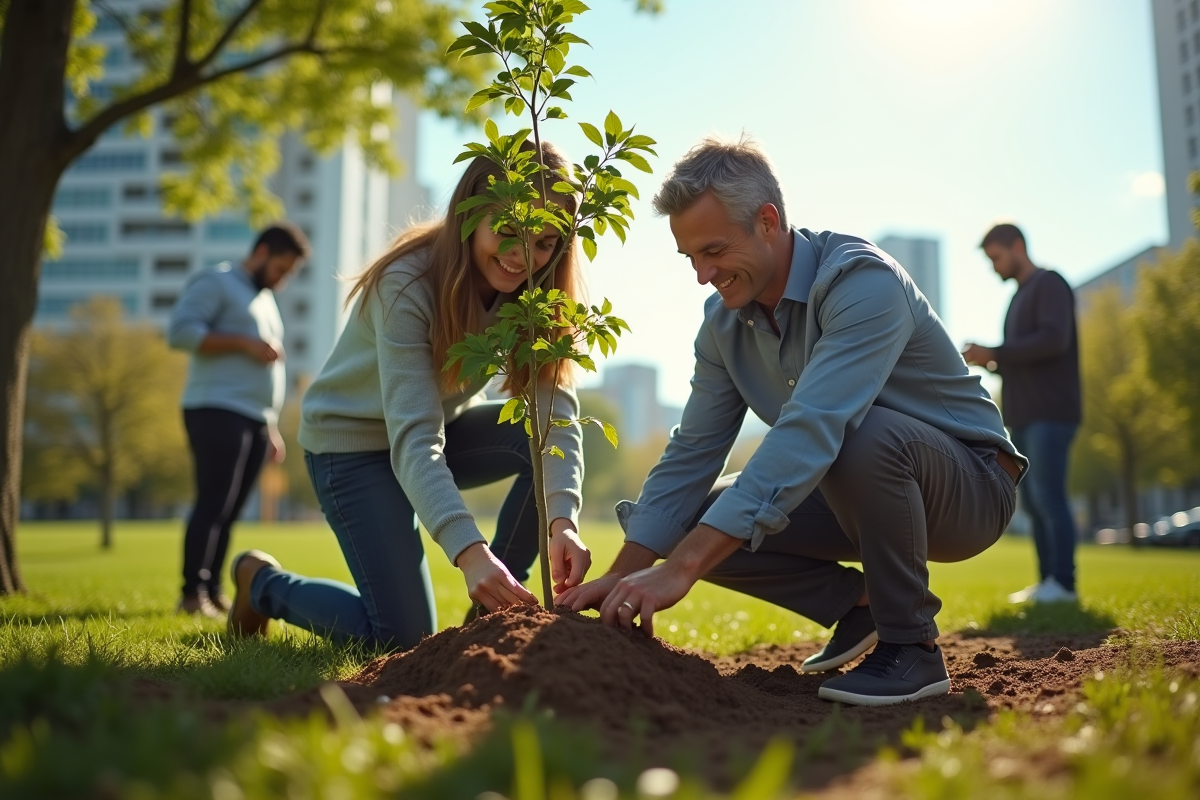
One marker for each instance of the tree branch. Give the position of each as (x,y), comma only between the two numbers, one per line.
(84,137)
(229,32)
(118,16)
(182,63)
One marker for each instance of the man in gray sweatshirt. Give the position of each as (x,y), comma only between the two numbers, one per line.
(883,448)
(228,320)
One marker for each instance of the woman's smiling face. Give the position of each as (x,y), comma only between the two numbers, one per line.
(507,272)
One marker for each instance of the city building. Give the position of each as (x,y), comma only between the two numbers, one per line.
(121,243)
(1123,275)
(633,389)
(921,258)
(1177,50)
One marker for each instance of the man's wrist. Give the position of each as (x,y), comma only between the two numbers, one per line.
(633,557)
(701,550)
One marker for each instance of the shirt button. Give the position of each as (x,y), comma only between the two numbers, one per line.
(750,322)
(791,383)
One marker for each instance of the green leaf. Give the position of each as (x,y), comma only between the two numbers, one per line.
(514,106)
(590,131)
(610,433)
(554,112)
(471,224)
(491,131)
(589,247)
(556,451)
(510,408)
(578,71)
(562,187)
(636,160)
(612,126)
(480,98)
(471,202)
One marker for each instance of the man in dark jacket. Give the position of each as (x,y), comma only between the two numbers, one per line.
(1039,362)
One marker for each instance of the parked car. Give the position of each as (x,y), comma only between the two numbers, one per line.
(1181,529)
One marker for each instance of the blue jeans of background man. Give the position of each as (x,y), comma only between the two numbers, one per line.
(391,603)
(1047,445)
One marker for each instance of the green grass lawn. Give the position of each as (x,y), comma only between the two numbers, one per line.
(74,586)
(114,612)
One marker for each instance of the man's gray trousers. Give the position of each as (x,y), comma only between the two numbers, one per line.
(901,493)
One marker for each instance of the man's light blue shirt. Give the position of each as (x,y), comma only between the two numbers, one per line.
(854,331)
(225,300)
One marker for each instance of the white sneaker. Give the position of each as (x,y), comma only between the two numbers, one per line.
(1026,594)
(1051,591)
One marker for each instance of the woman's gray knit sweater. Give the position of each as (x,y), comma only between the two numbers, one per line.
(379,389)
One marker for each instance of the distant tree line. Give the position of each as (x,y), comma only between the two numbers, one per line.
(1140,366)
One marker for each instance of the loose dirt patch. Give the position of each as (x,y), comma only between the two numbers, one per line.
(660,705)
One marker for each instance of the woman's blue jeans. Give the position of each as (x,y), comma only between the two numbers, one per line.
(391,603)
(1047,445)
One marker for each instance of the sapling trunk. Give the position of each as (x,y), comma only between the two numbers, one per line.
(534,32)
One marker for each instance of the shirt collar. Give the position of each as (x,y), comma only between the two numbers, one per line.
(803,271)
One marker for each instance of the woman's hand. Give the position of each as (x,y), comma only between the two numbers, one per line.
(489,583)
(569,557)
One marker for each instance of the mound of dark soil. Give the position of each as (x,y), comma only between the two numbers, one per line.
(651,700)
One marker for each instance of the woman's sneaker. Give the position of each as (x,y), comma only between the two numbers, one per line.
(243,619)
(893,673)
(854,635)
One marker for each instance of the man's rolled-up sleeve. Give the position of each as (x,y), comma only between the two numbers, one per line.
(694,457)
(194,313)
(865,322)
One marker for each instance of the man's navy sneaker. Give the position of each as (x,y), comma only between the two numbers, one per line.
(892,673)
(853,636)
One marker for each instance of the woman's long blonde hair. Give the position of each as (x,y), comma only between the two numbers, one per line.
(455,281)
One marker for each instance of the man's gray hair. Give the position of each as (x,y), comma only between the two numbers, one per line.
(738,173)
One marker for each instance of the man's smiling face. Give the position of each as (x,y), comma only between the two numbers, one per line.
(736,262)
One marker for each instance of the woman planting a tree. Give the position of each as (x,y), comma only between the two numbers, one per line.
(391,425)
(391,437)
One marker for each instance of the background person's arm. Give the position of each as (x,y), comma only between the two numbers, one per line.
(221,343)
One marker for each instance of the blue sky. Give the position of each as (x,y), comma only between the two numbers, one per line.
(931,117)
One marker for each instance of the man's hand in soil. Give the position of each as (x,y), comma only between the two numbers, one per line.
(569,557)
(648,591)
(632,558)
(489,582)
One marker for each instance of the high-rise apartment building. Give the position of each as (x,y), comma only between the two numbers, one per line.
(922,259)
(121,243)
(1177,49)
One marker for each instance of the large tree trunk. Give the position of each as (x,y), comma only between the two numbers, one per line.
(33,134)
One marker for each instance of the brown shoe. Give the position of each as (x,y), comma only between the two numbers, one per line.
(243,619)
(198,604)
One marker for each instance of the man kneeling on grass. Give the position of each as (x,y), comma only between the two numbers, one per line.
(883,448)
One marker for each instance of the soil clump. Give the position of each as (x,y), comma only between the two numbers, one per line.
(659,705)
